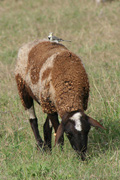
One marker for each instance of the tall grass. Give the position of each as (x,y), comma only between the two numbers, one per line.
(94,32)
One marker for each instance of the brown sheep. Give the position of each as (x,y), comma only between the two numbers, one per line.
(56,78)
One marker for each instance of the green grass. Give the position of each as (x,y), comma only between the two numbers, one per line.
(95,34)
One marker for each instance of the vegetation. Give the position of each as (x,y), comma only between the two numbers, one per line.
(95,34)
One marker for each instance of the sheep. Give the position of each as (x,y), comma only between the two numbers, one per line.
(55,78)
(102,1)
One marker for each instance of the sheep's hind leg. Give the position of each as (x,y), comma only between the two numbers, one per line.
(27,101)
(34,126)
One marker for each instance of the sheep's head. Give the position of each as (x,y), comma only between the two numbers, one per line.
(76,125)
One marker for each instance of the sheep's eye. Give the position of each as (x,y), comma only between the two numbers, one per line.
(70,134)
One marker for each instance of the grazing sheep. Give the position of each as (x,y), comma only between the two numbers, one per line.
(55,77)
(102,1)
(98,1)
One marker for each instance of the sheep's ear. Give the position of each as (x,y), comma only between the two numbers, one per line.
(59,133)
(95,123)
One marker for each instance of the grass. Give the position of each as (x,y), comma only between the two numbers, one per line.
(94,32)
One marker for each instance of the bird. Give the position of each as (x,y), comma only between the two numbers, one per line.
(55,39)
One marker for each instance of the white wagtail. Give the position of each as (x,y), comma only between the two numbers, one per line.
(55,39)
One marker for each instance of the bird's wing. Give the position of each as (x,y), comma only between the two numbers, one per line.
(56,38)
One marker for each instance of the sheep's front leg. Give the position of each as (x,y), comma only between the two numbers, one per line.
(47,128)
(55,124)
(34,126)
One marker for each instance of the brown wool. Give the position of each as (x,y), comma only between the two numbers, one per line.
(37,57)
(59,84)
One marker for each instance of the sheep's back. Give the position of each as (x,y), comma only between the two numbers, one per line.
(34,64)
(54,76)
(39,55)
(70,82)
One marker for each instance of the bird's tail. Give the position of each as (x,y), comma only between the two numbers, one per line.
(67,40)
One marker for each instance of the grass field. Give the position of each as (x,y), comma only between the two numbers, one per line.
(95,34)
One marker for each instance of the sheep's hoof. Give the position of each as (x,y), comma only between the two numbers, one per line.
(40,147)
(44,148)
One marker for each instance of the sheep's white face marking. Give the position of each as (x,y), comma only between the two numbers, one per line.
(76,118)
(31,112)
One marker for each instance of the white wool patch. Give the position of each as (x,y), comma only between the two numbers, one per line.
(48,64)
(76,118)
(31,113)
(39,88)
(22,59)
